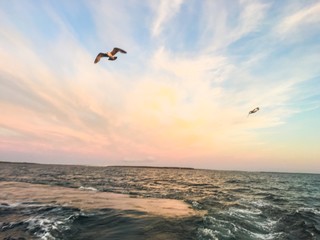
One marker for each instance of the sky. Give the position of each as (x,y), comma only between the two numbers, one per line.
(179,97)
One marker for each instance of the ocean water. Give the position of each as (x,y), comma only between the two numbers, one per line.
(225,204)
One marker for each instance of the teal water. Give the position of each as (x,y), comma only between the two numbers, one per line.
(237,205)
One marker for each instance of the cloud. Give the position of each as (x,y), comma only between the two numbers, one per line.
(51,100)
(189,66)
(223,24)
(170,101)
(163,14)
(305,18)
(252,14)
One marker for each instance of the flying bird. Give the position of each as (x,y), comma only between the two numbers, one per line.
(254,110)
(109,55)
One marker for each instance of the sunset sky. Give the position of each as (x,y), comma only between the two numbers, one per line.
(179,97)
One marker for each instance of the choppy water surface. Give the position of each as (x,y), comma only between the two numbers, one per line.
(238,205)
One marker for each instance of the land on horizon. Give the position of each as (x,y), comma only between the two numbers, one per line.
(155,167)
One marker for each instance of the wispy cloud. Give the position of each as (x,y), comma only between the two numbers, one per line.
(302,18)
(223,24)
(163,14)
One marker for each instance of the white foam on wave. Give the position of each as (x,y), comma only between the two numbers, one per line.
(216,228)
(9,205)
(25,205)
(262,236)
(252,213)
(195,204)
(88,189)
(269,236)
(220,222)
(226,229)
(260,203)
(253,216)
(306,209)
(204,233)
(42,226)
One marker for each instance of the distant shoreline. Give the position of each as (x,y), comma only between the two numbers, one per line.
(116,166)
(127,166)
(154,167)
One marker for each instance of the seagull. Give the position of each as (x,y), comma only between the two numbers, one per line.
(109,55)
(254,110)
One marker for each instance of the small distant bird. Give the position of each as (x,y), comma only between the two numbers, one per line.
(254,110)
(109,55)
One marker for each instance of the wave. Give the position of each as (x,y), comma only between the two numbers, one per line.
(302,223)
(39,221)
(88,188)
(50,222)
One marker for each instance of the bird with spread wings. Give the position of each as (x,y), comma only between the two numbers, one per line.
(254,111)
(110,55)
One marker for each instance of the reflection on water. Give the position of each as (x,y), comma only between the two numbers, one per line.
(87,199)
(235,205)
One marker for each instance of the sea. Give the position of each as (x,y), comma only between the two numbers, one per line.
(39,201)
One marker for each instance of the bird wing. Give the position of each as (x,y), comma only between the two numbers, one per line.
(254,111)
(115,50)
(100,55)
(97,58)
